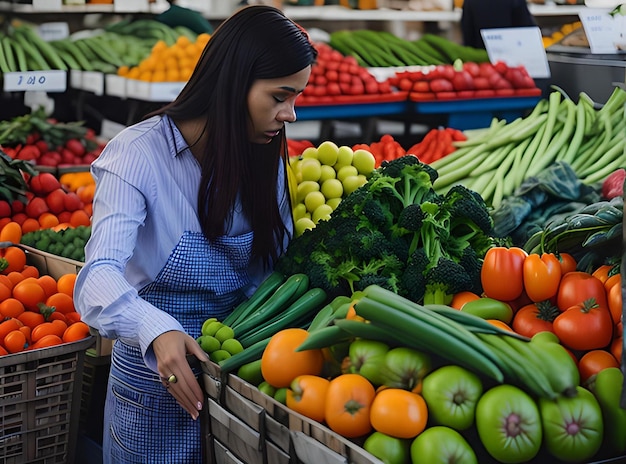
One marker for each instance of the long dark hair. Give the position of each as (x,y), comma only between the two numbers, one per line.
(256,42)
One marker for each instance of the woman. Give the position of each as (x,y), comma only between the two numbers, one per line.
(190,213)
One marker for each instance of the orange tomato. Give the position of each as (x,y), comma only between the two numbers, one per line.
(348,402)
(71,318)
(4,280)
(594,361)
(399,413)
(307,396)
(30,271)
(568,263)
(614,297)
(75,332)
(5,292)
(15,259)
(15,341)
(3,352)
(500,324)
(611,281)
(9,325)
(48,283)
(31,318)
(616,348)
(281,363)
(460,298)
(46,341)
(47,328)
(30,294)
(65,283)
(602,272)
(11,232)
(11,307)
(62,302)
(26,331)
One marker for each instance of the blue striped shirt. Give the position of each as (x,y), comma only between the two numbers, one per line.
(146,197)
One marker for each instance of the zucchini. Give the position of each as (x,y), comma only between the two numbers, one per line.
(289,291)
(300,312)
(262,293)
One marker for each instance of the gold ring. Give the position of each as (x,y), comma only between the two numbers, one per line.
(172,379)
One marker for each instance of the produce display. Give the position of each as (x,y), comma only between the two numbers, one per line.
(384,49)
(124,43)
(494,161)
(44,141)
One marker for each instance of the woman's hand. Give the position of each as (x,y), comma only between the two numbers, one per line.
(171,349)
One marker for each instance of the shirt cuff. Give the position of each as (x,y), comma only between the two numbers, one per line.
(156,324)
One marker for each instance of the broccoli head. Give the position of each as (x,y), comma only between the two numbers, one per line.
(443,280)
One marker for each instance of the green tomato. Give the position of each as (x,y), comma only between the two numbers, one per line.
(367,358)
(405,368)
(390,450)
(607,388)
(251,373)
(451,393)
(441,445)
(509,424)
(572,426)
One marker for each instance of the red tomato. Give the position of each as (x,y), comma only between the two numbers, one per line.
(542,275)
(568,263)
(534,318)
(584,326)
(577,287)
(502,273)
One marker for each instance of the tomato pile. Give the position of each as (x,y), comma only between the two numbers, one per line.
(36,311)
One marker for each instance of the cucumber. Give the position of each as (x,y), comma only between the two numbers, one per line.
(262,293)
(248,355)
(289,291)
(300,312)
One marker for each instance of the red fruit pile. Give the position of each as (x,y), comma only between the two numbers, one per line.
(336,78)
(469,80)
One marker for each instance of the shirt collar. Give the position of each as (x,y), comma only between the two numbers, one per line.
(175,139)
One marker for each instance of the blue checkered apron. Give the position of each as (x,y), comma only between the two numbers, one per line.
(143,423)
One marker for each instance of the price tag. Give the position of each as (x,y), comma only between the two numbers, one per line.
(130,5)
(93,82)
(48,5)
(53,31)
(517,46)
(605,33)
(46,81)
(35,100)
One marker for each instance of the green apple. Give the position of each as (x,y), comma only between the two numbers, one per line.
(367,358)
(321,213)
(302,225)
(405,368)
(306,187)
(311,169)
(313,200)
(327,172)
(451,393)
(441,445)
(607,388)
(344,155)
(345,171)
(327,152)
(332,188)
(351,183)
(310,152)
(364,161)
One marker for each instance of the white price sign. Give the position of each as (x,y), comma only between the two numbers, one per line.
(48,5)
(130,5)
(93,82)
(53,31)
(605,33)
(518,46)
(46,81)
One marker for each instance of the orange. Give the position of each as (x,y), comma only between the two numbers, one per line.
(30,294)
(65,283)
(86,193)
(11,307)
(30,225)
(48,283)
(11,232)
(80,218)
(62,302)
